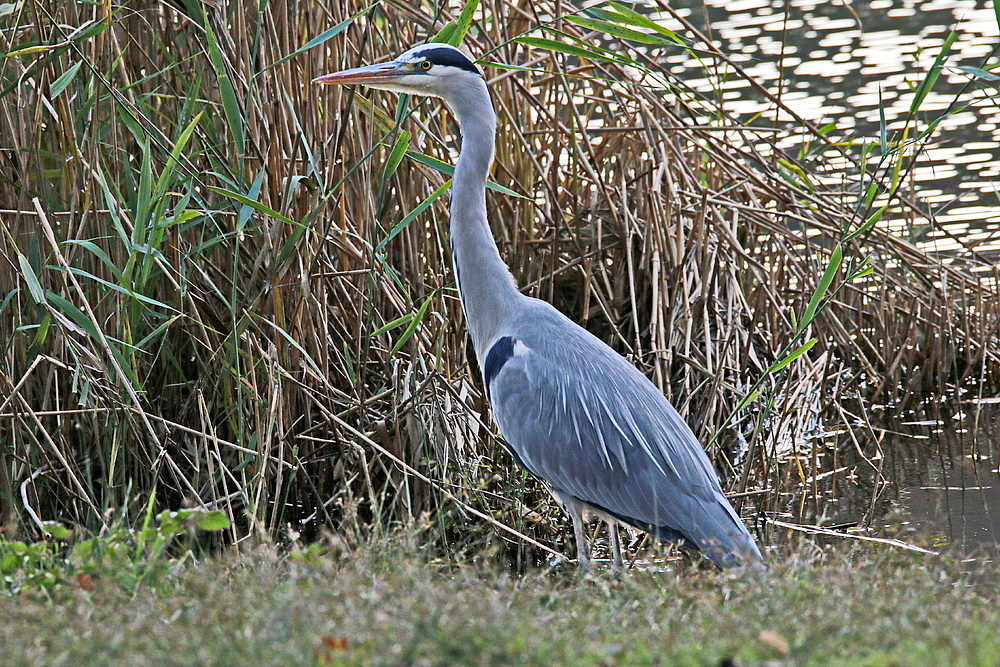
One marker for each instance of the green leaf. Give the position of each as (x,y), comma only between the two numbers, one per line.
(402,109)
(34,287)
(449,170)
(870,194)
(409,217)
(444,35)
(932,76)
(256,205)
(318,39)
(246,210)
(231,106)
(98,252)
(408,333)
(882,127)
(836,257)
(141,345)
(934,123)
(64,80)
(980,74)
(569,49)
(185,216)
(171,524)
(747,400)
(28,50)
(635,18)
(517,68)
(618,31)
(117,288)
(396,155)
(865,269)
(868,224)
(464,21)
(213,521)
(144,194)
(82,550)
(94,29)
(57,530)
(175,155)
(868,270)
(43,329)
(81,320)
(800,175)
(9,562)
(398,322)
(792,356)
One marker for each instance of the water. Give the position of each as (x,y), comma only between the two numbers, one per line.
(945,481)
(838,62)
(929,480)
(955,503)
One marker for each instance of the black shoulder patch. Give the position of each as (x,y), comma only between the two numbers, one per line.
(498,355)
(451,58)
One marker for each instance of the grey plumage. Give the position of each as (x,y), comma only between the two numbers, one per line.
(586,421)
(572,411)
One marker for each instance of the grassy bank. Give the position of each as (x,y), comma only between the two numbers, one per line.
(394,605)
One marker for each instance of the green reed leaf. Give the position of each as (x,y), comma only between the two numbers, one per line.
(464,22)
(792,356)
(932,75)
(615,30)
(412,328)
(412,215)
(836,257)
(60,84)
(396,155)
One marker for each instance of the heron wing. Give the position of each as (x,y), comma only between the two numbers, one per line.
(579,416)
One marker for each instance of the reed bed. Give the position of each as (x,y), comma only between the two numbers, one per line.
(208,298)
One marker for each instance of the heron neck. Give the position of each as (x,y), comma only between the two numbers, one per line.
(486,287)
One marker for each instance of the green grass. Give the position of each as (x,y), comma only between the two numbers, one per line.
(391,605)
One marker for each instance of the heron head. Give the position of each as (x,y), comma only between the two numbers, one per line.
(430,69)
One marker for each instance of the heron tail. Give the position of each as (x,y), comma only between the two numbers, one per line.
(724,539)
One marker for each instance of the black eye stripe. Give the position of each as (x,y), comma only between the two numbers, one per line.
(449,57)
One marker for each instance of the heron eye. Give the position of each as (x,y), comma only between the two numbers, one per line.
(425,65)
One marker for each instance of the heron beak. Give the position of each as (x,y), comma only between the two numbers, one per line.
(381,73)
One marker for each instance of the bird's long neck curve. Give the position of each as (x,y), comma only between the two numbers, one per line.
(486,287)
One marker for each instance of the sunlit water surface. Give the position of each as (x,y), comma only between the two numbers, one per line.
(841,62)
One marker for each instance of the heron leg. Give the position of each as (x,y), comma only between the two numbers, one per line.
(582,545)
(576,509)
(616,547)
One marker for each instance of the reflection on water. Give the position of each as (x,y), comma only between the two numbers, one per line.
(933,482)
(838,62)
(958,502)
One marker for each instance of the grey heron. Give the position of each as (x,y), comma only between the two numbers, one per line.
(571,410)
